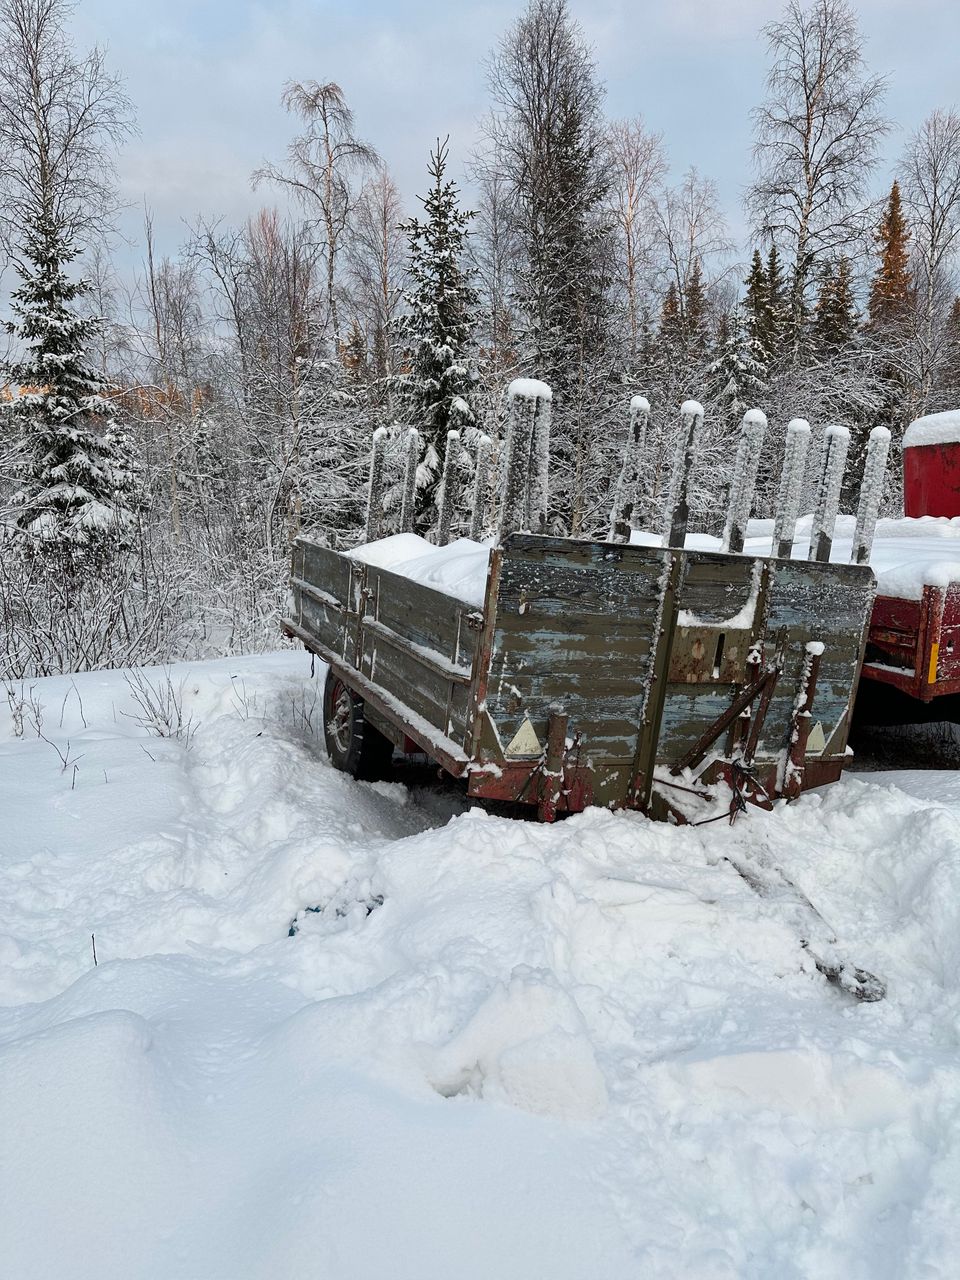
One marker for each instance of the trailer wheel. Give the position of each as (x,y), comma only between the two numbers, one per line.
(353,744)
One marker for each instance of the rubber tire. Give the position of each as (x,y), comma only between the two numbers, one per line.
(353,744)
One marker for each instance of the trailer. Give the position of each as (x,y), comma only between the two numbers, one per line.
(679,682)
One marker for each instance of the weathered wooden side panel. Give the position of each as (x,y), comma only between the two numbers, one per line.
(575,629)
(415,648)
(420,645)
(832,608)
(326,596)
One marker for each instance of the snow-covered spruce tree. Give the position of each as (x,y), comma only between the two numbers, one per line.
(834,324)
(60,118)
(78,491)
(735,376)
(436,389)
(547,136)
(764,310)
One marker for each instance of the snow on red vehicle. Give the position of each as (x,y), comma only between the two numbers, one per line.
(911,671)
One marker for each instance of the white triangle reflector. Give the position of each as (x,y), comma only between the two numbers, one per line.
(525,741)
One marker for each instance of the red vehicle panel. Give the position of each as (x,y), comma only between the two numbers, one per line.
(931,480)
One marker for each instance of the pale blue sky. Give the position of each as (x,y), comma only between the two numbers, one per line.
(206,80)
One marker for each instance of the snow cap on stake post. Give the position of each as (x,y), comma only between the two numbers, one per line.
(744,480)
(871,491)
(623,512)
(791,487)
(836,442)
(528,445)
(678,511)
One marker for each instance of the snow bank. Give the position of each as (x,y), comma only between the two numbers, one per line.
(934,428)
(490,1049)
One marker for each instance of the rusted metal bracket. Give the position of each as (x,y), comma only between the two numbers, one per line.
(800,726)
(719,726)
(551,780)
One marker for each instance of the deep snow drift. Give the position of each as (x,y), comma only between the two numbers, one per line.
(498,1050)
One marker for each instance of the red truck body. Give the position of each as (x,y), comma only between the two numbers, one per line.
(911,671)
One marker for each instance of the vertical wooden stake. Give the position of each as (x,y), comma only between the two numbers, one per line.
(449,488)
(791,487)
(375,490)
(678,511)
(744,480)
(871,491)
(836,442)
(481,484)
(626,494)
(523,431)
(409,499)
(538,490)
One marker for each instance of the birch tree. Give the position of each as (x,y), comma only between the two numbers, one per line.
(817,140)
(321,162)
(931,188)
(638,169)
(376,254)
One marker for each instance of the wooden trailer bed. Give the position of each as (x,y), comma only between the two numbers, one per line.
(601,673)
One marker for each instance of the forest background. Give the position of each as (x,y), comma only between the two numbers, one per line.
(168,429)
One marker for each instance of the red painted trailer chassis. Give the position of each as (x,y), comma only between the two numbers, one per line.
(913,650)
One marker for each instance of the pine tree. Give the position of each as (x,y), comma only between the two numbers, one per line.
(736,376)
(695,311)
(835,315)
(353,354)
(891,292)
(777,309)
(77,498)
(671,322)
(755,305)
(440,381)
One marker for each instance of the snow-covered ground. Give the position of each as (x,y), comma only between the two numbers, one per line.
(498,1050)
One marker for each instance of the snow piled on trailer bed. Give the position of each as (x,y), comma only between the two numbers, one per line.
(459,569)
(490,1050)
